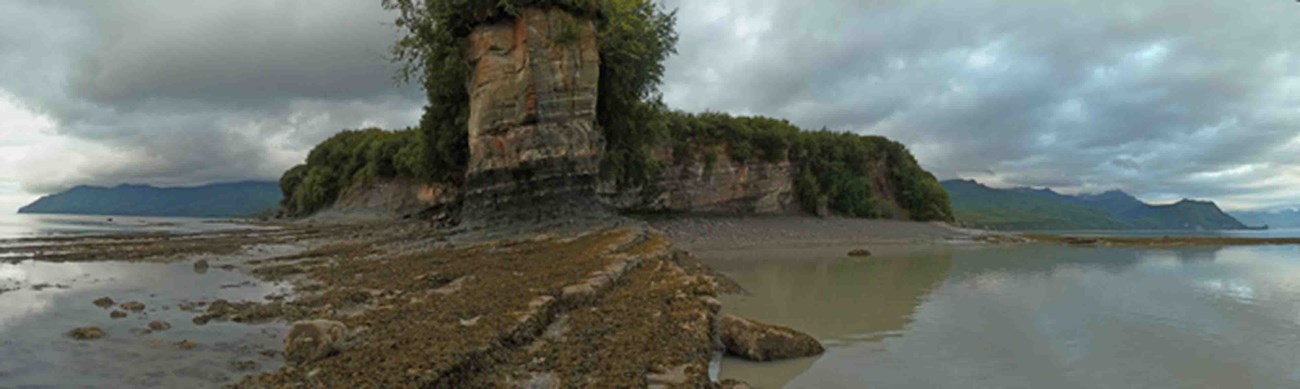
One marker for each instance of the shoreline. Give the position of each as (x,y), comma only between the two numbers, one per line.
(422,306)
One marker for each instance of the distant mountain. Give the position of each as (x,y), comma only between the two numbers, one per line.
(216,200)
(1283,218)
(1043,209)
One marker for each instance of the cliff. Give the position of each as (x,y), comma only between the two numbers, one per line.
(539,148)
(693,184)
(534,147)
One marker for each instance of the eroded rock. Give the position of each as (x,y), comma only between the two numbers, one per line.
(313,340)
(757,341)
(159,325)
(103,302)
(860,253)
(535,150)
(86,333)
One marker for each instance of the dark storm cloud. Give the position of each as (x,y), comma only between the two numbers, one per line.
(1163,98)
(184,92)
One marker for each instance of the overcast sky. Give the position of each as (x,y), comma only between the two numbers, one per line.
(1165,99)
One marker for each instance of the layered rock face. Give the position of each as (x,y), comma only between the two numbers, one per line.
(695,185)
(534,147)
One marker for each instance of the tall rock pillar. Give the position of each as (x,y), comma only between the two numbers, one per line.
(535,150)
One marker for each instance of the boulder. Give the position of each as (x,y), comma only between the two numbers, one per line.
(757,341)
(313,340)
(201,266)
(103,302)
(860,253)
(116,314)
(159,325)
(134,306)
(86,333)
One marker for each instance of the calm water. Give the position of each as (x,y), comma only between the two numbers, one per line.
(31,226)
(41,301)
(1273,233)
(1027,316)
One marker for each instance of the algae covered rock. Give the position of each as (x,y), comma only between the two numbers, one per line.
(313,340)
(104,302)
(757,341)
(86,333)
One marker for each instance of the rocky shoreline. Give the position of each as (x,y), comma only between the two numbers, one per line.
(405,304)
(409,304)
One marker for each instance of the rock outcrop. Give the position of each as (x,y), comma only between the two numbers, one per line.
(758,341)
(535,150)
(392,198)
(313,340)
(720,186)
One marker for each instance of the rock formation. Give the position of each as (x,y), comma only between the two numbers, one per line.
(535,150)
(758,341)
(312,340)
(692,185)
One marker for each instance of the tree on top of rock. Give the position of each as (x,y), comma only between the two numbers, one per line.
(634,38)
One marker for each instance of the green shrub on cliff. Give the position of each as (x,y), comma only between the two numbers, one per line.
(845,172)
(347,159)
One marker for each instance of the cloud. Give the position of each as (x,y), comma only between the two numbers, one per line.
(185,92)
(1163,98)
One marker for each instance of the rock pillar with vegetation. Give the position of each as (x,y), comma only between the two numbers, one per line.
(535,150)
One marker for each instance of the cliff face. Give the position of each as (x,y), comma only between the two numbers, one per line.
(534,147)
(392,198)
(696,185)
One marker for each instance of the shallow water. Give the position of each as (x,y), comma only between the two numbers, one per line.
(35,226)
(40,302)
(1028,316)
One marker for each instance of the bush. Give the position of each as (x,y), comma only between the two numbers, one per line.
(348,159)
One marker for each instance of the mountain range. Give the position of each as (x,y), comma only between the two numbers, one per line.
(1030,209)
(215,200)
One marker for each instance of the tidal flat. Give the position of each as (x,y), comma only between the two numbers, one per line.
(419,308)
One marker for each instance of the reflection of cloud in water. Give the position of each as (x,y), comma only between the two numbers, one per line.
(835,299)
(34,350)
(1235,290)
(23,276)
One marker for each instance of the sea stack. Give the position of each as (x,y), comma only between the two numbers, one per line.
(535,150)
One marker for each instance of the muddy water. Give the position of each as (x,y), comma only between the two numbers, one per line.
(1026,316)
(40,302)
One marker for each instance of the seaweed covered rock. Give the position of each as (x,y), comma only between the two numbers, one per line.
(757,341)
(86,333)
(313,340)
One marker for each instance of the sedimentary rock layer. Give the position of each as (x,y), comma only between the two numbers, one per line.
(534,147)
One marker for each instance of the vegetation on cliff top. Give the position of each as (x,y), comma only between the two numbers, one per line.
(836,171)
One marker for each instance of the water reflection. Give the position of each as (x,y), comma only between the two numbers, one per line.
(41,301)
(1029,316)
(828,295)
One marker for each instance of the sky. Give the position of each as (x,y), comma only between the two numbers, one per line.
(1164,99)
